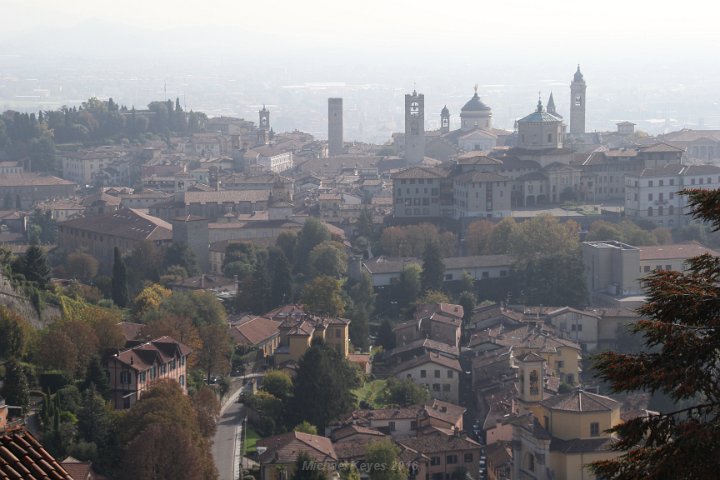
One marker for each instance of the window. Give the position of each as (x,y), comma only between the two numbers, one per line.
(503,273)
(391,426)
(650,212)
(668,267)
(692,181)
(531,462)
(450,373)
(153,372)
(672,182)
(413,425)
(650,183)
(434,460)
(423,373)
(436,387)
(559,364)
(125,377)
(446,387)
(646,268)
(451,459)
(570,379)
(650,197)
(671,209)
(437,373)
(485,275)
(594,429)
(468,458)
(661,184)
(182,380)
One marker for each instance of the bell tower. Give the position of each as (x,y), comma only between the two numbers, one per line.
(577,104)
(264,120)
(414,128)
(444,120)
(531,376)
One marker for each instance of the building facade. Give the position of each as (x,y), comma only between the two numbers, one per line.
(335,126)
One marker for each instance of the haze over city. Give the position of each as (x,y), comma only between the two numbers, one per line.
(646,63)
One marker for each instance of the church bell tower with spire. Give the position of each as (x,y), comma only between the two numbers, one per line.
(577,104)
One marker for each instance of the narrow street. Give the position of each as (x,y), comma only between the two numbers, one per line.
(226,444)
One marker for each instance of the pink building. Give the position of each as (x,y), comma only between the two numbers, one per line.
(135,370)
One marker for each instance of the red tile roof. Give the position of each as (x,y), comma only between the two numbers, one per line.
(23,457)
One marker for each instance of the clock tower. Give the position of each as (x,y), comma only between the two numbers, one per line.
(264,119)
(577,104)
(414,128)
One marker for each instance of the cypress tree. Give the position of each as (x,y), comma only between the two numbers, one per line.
(281,287)
(433,269)
(120,294)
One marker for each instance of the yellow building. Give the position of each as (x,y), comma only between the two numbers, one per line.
(298,330)
(558,437)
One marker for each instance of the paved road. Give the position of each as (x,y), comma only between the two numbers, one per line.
(226,444)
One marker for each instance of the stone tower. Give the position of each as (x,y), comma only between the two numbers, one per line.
(414,128)
(335,126)
(264,120)
(577,104)
(263,131)
(444,120)
(193,231)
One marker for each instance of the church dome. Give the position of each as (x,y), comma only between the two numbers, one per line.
(475,105)
(445,111)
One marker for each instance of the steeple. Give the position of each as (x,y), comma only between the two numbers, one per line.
(539,105)
(577,103)
(551,105)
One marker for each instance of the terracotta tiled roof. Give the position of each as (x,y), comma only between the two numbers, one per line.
(78,470)
(23,457)
(31,179)
(669,252)
(421,172)
(124,223)
(445,411)
(581,401)
(439,442)
(426,344)
(442,360)
(285,448)
(131,331)
(254,330)
(160,350)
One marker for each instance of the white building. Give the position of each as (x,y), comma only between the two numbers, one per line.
(652,194)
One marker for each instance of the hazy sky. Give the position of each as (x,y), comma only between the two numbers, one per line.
(548,27)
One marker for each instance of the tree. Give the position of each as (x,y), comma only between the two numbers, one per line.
(323,296)
(432,296)
(181,328)
(278,384)
(433,269)
(555,280)
(82,266)
(286,242)
(179,254)
(120,293)
(214,357)
(359,329)
(255,294)
(96,377)
(541,236)
(281,284)
(207,408)
(386,336)
(56,351)
(306,427)
(149,298)
(467,301)
(162,437)
(308,469)
(15,388)
(312,234)
(679,324)
(35,266)
(93,419)
(365,225)
(408,286)
(163,451)
(15,334)
(328,258)
(322,387)
(383,460)
(404,392)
